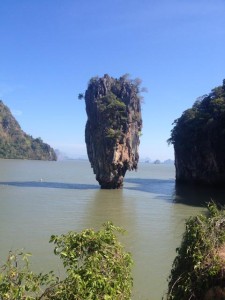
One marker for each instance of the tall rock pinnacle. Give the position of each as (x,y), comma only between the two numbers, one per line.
(113,128)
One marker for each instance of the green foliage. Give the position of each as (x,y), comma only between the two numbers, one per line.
(80,96)
(198,266)
(110,104)
(18,282)
(97,267)
(114,114)
(93,80)
(205,119)
(14,143)
(114,134)
(96,264)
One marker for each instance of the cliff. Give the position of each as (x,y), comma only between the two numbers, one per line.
(199,141)
(113,128)
(16,144)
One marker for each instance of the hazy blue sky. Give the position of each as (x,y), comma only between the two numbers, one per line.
(50,49)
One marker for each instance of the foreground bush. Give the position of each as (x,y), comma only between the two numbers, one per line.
(96,264)
(18,282)
(198,270)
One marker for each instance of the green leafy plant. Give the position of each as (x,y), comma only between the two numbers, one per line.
(96,264)
(18,282)
(198,266)
(97,267)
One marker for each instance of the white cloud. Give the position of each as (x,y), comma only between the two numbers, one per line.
(16,112)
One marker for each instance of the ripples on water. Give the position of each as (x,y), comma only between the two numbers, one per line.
(38,199)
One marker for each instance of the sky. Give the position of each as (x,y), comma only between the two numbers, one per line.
(49,50)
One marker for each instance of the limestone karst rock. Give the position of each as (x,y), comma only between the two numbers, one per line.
(199,141)
(113,128)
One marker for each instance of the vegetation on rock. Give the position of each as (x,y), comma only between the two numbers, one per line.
(97,268)
(16,144)
(113,127)
(199,140)
(198,269)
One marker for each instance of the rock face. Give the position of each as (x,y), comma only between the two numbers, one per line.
(113,128)
(16,144)
(199,141)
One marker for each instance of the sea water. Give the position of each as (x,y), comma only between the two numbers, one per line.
(38,199)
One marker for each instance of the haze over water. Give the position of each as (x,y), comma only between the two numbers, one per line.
(39,198)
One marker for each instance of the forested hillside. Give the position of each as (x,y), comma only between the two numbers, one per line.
(16,144)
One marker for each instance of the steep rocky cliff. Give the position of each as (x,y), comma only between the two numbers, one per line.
(199,141)
(113,128)
(15,143)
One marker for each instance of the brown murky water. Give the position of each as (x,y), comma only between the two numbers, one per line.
(38,199)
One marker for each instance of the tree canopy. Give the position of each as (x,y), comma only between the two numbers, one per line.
(206,114)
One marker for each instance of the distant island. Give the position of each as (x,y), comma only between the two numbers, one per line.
(157,161)
(16,144)
(198,137)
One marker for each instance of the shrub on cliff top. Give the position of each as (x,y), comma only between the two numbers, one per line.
(198,268)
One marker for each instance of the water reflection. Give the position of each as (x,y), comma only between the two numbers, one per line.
(163,189)
(198,195)
(111,205)
(147,222)
(155,186)
(169,190)
(52,185)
